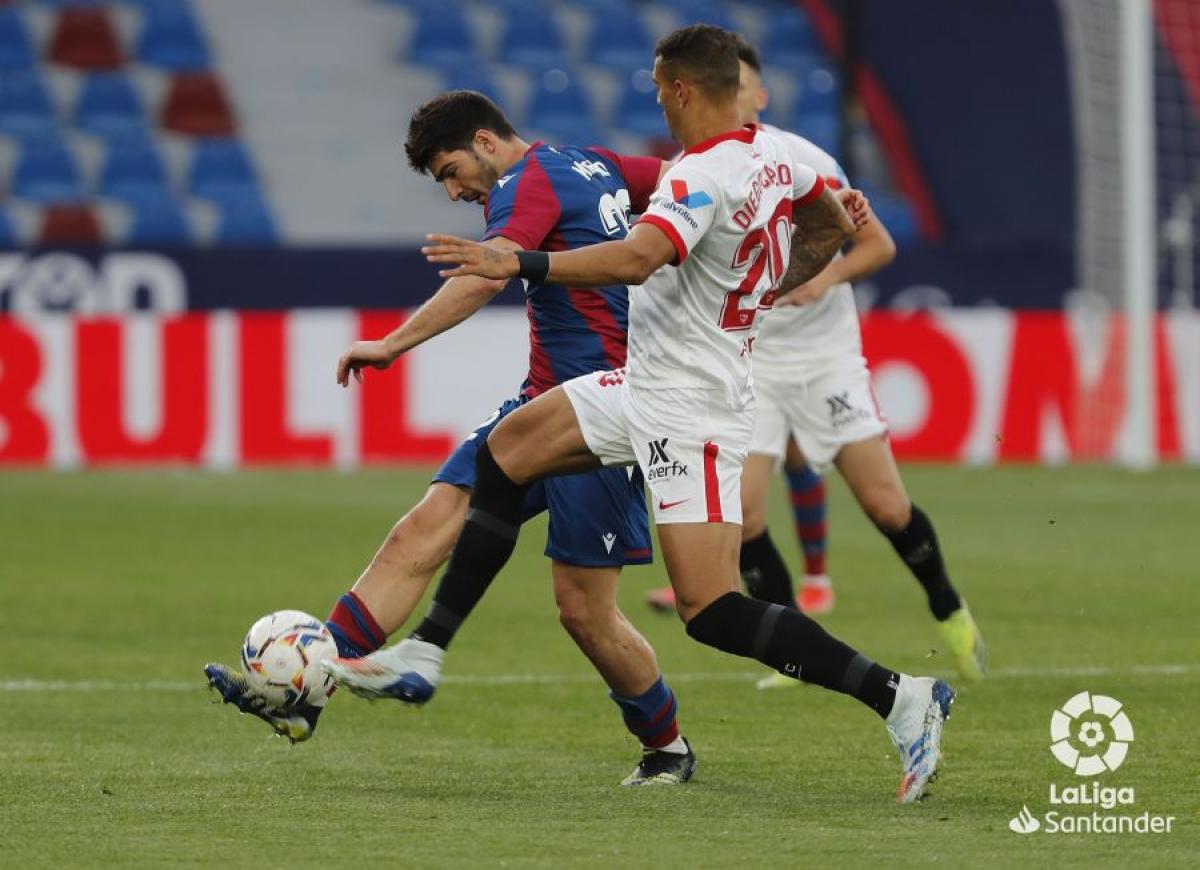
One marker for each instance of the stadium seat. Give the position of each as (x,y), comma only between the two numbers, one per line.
(818,92)
(158,220)
(220,167)
(619,39)
(72,224)
(442,38)
(531,39)
(25,107)
(637,107)
(792,42)
(8,233)
(475,78)
(16,51)
(245,220)
(132,169)
(45,172)
(701,12)
(196,105)
(108,106)
(561,107)
(897,215)
(85,39)
(821,128)
(171,38)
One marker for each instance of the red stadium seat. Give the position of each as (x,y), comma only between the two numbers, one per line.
(196,105)
(86,39)
(69,225)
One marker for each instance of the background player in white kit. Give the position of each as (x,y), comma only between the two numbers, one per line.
(812,387)
(708,255)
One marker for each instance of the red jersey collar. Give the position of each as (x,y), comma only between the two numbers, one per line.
(742,134)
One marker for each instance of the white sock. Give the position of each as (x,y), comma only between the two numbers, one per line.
(676,746)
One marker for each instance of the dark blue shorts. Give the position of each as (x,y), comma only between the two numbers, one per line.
(597,519)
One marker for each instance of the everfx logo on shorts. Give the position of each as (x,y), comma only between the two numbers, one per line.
(661,466)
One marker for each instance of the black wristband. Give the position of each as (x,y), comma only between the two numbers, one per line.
(533,266)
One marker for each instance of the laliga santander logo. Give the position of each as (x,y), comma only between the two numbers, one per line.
(1090,734)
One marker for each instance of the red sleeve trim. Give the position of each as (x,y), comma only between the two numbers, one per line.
(810,197)
(668,229)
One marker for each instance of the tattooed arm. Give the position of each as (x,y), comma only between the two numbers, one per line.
(821,229)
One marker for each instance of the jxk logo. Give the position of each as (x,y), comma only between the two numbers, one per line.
(841,412)
(681,194)
(1090,734)
(661,466)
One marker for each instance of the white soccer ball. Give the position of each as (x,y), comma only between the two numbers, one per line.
(282,657)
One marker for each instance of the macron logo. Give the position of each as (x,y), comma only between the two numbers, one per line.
(680,193)
(503,181)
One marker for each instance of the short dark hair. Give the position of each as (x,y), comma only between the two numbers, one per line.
(748,53)
(449,122)
(706,54)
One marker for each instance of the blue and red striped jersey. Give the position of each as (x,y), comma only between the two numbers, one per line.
(559,199)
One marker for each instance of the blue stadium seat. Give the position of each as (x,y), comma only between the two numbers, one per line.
(817,92)
(442,38)
(25,107)
(475,78)
(108,106)
(16,51)
(637,107)
(792,42)
(531,39)
(561,107)
(897,215)
(619,39)
(158,220)
(8,234)
(246,220)
(133,169)
(221,167)
(701,12)
(171,38)
(46,172)
(821,128)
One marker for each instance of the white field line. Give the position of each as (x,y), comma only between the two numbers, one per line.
(36,685)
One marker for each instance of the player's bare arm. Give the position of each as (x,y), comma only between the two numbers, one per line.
(871,249)
(456,300)
(629,261)
(821,228)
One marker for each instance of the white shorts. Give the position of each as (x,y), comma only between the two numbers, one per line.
(689,445)
(824,412)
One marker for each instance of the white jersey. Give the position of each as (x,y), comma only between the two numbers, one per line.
(797,338)
(727,208)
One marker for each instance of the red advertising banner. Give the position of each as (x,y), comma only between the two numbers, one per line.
(228,389)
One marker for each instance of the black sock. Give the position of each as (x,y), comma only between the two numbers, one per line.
(763,571)
(917,545)
(796,646)
(484,546)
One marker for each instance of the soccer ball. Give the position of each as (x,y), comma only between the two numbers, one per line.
(282,657)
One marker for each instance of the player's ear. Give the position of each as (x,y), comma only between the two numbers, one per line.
(486,141)
(762,99)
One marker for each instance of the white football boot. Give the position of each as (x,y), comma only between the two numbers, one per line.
(915,725)
(408,672)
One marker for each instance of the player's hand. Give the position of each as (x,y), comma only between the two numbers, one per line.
(361,354)
(471,258)
(857,206)
(806,294)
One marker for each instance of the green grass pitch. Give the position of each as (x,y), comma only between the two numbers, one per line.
(116,587)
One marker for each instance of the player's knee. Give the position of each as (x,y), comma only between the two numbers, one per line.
(754,522)
(724,624)
(579,616)
(423,537)
(888,507)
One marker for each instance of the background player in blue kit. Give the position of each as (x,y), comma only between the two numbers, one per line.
(534,197)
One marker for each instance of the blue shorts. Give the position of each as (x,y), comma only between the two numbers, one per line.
(597,519)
